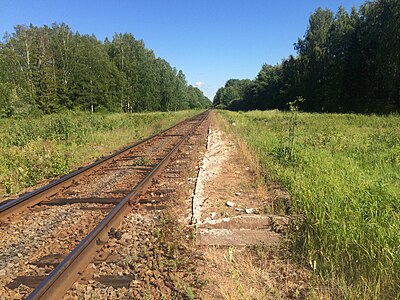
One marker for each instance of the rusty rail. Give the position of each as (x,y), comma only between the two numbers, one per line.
(12,207)
(68,271)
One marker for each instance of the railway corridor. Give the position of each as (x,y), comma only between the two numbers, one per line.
(37,240)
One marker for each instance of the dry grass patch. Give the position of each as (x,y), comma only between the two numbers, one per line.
(256,272)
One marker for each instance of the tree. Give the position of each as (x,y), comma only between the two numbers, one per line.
(312,53)
(53,68)
(64,47)
(234,89)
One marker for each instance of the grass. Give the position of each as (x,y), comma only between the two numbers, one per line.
(37,148)
(344,177)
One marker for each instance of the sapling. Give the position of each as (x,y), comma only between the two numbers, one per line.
(294,109)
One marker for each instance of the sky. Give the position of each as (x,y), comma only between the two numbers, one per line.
(211,41)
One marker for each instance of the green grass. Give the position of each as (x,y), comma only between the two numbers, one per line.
(344,177)
(37,148)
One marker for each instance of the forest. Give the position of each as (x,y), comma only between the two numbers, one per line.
(50,69)
(346,62)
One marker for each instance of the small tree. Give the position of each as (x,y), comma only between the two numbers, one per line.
(294,109)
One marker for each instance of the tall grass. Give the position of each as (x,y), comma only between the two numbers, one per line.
(43,147)
(344,176)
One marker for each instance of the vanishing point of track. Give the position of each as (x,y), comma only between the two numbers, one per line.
(114,183)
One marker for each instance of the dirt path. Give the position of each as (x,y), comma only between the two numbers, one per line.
(245,257)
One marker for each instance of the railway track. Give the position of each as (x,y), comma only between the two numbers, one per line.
(81,212)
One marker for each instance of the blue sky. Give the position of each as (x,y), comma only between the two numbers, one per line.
(211,41)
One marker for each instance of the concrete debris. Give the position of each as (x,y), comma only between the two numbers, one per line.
(249,210)
(229,203)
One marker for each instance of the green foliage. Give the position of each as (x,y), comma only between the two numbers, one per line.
(234,89)
(53,68)
(141,161)
(8,99)
(345,181)
(189,293)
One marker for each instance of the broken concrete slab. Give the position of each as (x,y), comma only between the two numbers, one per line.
(236,237)
(240,222)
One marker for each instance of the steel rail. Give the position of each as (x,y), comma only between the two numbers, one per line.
(58,282)
(30,199)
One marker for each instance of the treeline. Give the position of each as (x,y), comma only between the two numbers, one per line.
(347,62)
(46,69)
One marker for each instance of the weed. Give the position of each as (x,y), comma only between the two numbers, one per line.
(189,293)
(59,165)
(173,242)
(141,161)
(157,233)
(235,273)
(146,293)
(8,185)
